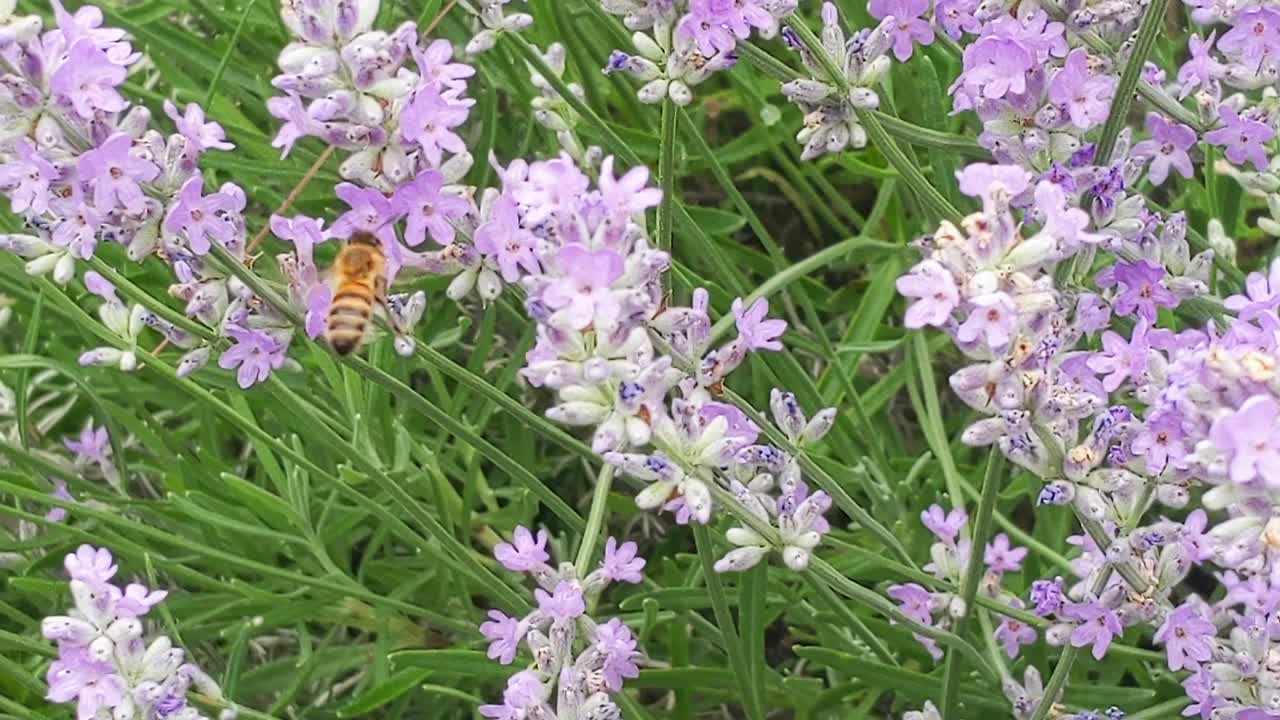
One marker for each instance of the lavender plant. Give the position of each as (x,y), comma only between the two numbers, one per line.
(713,326)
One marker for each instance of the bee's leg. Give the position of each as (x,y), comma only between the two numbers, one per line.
(380,294)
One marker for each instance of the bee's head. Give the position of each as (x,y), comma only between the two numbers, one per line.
(360,237)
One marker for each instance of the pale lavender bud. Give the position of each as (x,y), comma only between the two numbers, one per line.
(68,629)
(1091,503)
(193,361)
(796,558)
(739,559)
(516,22)
(1058,634)
(787,413)
(697,497)
(102,356)
(1057,492)
(653,91)
(984,432)
(482,42)
(864,98)
(807,90)
(64,270)
(680,93)
(25,246)
(819,425)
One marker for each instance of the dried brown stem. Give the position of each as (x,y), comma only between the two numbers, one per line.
(292,197)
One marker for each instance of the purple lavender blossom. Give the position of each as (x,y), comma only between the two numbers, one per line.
(993,68)
(90,565)
(1097,625)
(945,525)
(620,563)
(1186,635)
(1142,290)
(627,195)
(429,121)
(1160,441)
(1012,634)
(428,210)
(1201,69)
(615,641)
(1047,597)
(913,600)
(191,124)
(92,447)
(991,322)
(1121,359)
(525,552)
(1250,437)
(93,684)
(504,635)
(26,179)
(1000,557)
(115,174)
(509,244)
(199,217)
(956,17)
(706,26)
(582,296)
(908,28)
(934,290)
(755,328)
(87,79)
(255,354)
(1262,294)
(1167,148)
(1243,137)
(1254,35)
(524,692)
(1086,96)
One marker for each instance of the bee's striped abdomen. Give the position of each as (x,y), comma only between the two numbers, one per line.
(349,317)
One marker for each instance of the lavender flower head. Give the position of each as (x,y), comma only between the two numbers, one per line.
(576,661)
(105,664)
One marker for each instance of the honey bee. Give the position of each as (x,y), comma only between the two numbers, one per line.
(359,283)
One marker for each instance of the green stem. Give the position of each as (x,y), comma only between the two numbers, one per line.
(1058,680)
(1156,96)
(595,519)
(824,480)
(879,603)
(226,56)
(1123,98)
(1166,709)
(926,194)
(795,271)
(973,575)
(666,174)
(934,429)
(751,691)
(854,622)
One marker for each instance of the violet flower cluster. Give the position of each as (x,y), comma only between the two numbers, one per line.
(575,661)
(680,43)
(593,284)
(408,160)
(1212,416)
(390,99)
(993,287)
(949,562)
(830,104)
(83,167)
(494,22)
(105,664)
(1152,413)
